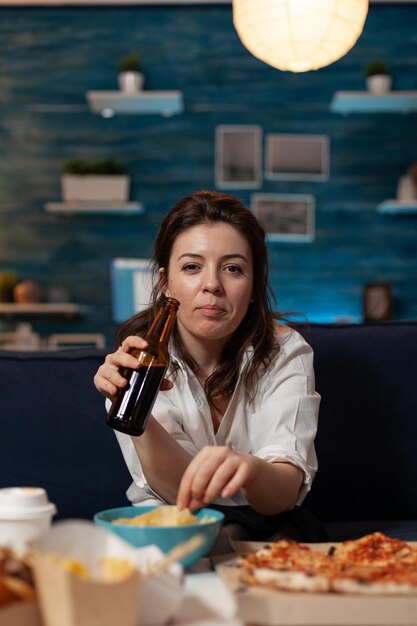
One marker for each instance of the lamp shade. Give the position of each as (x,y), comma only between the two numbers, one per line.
(299,35)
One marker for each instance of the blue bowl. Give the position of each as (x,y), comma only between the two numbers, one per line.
(165,537)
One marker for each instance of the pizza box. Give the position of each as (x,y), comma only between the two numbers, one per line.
(269,607)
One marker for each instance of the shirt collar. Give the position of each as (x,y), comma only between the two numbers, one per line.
(175,358)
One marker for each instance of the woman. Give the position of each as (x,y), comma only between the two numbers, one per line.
(235,423)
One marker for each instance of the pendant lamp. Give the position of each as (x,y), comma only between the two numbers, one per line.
(299,35)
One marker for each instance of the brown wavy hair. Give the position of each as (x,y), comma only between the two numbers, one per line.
(257,327)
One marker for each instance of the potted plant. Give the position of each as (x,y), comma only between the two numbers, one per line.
(130,76)
(378,77)
(86,180)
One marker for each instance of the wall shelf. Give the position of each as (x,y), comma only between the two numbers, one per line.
(365,102)
(13,310)
(108,103)
(95,208)
(397,207)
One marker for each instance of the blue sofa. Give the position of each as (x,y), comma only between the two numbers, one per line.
(53,431)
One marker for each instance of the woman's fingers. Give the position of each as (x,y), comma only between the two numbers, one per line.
(237,481)
(214,471)
(104,386)
(228,478)
(195,504)
(131,342)
(186,494)
(108,379)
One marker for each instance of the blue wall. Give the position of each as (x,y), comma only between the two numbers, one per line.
(49,57)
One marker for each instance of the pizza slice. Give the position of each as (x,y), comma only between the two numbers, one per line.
(374,564)
(287,565)
(394,579)
(374,550)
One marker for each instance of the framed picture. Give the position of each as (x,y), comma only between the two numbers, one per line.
(131,282)
(297,157)
(377,302)
(238,157)
(289,218)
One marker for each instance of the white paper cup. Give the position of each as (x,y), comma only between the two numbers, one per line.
(25,514)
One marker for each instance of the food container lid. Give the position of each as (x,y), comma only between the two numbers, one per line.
(21,503)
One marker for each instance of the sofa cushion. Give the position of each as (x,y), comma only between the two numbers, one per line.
(367,437)
(53,431)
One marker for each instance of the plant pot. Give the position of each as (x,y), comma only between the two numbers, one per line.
(91,188)
(379,83)
(130,81)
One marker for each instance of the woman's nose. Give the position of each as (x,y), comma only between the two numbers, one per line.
(212,282)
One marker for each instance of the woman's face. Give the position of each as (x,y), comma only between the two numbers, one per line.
(211,274)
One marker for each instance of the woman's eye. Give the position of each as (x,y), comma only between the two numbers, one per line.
(190,267)
(233,269)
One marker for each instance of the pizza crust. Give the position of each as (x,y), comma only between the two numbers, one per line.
(359,587)
(291,581)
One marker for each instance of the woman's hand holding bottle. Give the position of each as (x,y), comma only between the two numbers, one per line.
(108,379)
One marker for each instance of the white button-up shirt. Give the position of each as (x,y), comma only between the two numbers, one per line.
(280,423)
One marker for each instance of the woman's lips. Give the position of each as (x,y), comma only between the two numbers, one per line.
(211,311)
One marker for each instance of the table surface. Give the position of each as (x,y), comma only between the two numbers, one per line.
(207,602)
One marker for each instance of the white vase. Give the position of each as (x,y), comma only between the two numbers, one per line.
(379,83)
(130,81)
(406,191)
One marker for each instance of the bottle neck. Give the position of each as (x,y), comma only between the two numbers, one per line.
(161,327)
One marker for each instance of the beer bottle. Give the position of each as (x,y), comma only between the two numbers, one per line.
(133,404)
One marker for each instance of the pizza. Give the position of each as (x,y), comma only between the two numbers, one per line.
(374,564)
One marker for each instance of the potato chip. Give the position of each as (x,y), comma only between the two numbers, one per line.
(165,515)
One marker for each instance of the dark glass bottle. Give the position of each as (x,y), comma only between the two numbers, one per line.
(133,404)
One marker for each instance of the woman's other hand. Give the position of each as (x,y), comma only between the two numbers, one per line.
(108,379)
(214,471)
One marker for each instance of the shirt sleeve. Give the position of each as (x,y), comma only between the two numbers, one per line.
(284,424)
(169,417)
